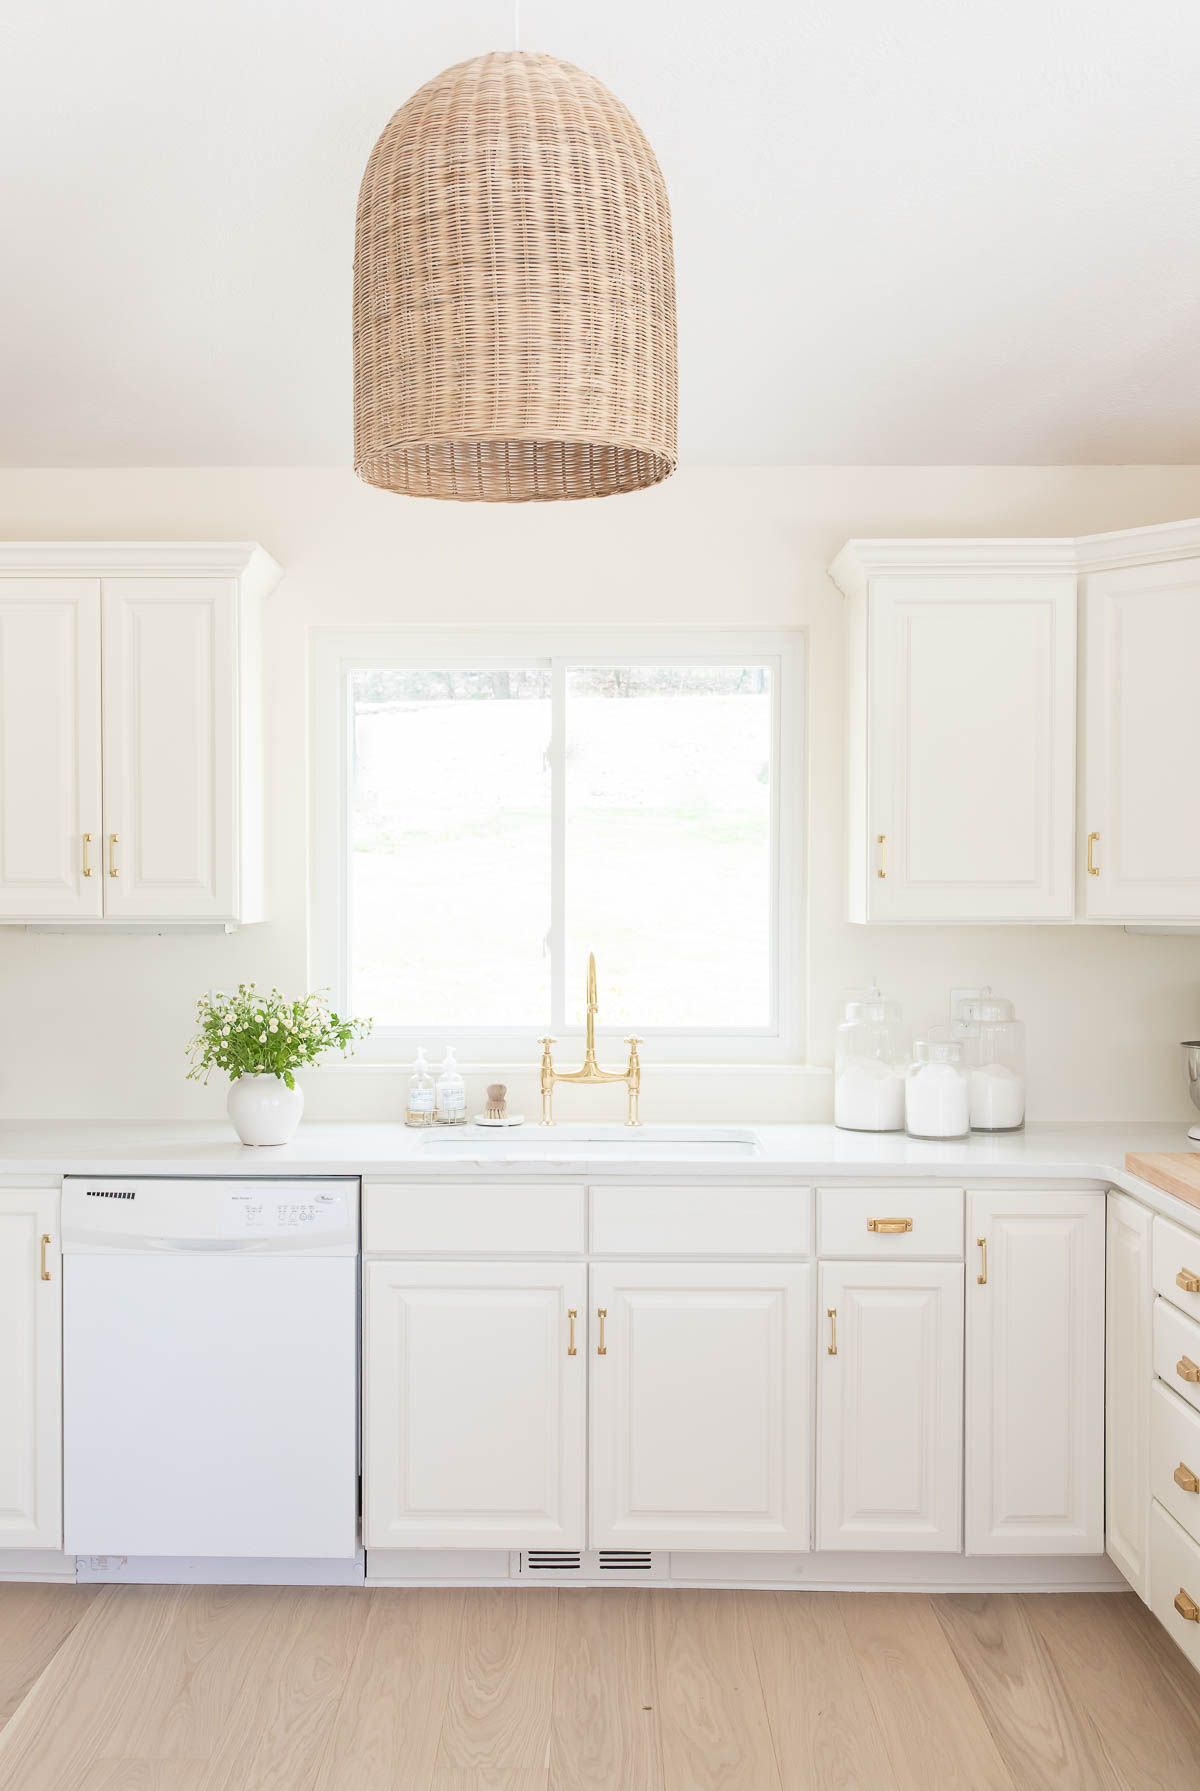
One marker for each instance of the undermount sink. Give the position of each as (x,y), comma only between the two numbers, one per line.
(532,1142)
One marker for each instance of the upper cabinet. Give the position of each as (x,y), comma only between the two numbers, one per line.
(964,752)
(130,717)
(1140,855)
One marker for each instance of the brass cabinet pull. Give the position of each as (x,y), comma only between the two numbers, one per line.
(890,1226)
(1187,1370)
(981,1277)
(45,1245)
(1185,1479)
(831,1315)
(1188,1281)
(1187,1607)
(1093,869)
(87,859)
(572,1315)
(114,840)
(881,842)
(601,1346)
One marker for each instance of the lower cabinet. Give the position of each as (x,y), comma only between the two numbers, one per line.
(889,1441)
(474,1405)
(701,1407)
(1035,1374)
(30,1370)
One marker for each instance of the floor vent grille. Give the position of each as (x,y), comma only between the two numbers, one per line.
(591,1564)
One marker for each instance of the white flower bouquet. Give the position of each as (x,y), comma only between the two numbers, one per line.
(250,1034)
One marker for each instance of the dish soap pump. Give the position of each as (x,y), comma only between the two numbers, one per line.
(451,1093)
(420,1108)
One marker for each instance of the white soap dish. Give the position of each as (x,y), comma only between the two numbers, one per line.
(510,1119)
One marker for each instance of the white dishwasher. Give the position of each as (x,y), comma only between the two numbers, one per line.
(210,1367)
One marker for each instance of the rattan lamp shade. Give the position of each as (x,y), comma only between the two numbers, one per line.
(514,292)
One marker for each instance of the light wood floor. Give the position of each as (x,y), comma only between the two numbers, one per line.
(213,1689)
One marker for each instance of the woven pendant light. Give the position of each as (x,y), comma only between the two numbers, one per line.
(514,292)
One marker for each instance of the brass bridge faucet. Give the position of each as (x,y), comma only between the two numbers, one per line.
(631,1075)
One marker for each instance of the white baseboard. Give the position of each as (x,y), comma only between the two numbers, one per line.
(767,1572)
(166,1570)
(36,1564)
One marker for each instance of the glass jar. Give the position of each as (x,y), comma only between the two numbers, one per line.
(871,1050)
(993,1043)
(937,1093)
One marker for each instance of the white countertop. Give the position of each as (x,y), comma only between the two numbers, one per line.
(1042,1152)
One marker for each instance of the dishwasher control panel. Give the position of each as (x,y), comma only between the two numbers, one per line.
(159,1213)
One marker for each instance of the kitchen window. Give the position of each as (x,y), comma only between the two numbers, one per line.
(491,808)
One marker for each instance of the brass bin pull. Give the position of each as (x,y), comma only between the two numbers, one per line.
(981,1277)
(601,1346)
(44,1246)
(1187,1607)
(1093,869)
(1188,1280)
(1187,1370)
(881,842)
(114,840)
(1185,1479)
(87,857)
(890,1226)
(572,1315)
(831,1315)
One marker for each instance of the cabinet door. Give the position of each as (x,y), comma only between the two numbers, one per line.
(50,749)
(1035,1375)
(971,756)
(30,1371)
(1141,743)
(473,1426)
(701,1405)
(889,1440)
(1129,1375)
(170,758)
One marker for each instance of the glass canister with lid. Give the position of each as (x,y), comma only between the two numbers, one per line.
(871,1052)
(937,1096)
(993,1042)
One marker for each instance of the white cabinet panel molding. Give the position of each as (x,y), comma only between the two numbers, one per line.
(30,1371)
(1129,1372)
(50,808)
(889,1371)
(701,1405)
(474,1407)
(1035,1374)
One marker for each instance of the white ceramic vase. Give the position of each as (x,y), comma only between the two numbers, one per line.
(264,1110)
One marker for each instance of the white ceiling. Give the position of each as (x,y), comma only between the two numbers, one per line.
(907,230)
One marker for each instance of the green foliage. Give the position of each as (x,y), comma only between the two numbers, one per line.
(249,1034)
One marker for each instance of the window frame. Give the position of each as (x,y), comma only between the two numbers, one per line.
(336,653)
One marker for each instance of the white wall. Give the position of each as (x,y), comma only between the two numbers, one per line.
(96,1027)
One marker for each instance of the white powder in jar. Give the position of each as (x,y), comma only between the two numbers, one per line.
(937,1101)
(997,1098)
(868,1096)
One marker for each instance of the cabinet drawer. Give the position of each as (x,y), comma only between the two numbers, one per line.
(891,1222)
(698,1221)
(1175,1574)
(1177,1266)
(1175,1458)
(1177,1352)
(472,1219)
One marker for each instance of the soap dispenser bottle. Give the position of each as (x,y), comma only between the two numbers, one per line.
(451,1093)
(420,1108)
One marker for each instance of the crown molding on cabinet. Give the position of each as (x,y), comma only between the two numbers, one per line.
(860,560)
(244,560)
